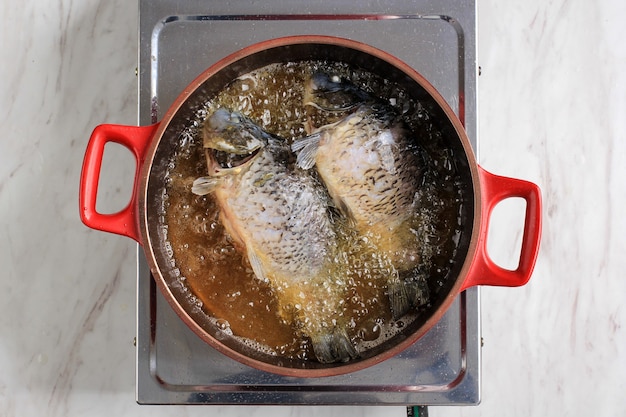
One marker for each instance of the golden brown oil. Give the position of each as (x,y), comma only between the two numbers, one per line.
(217,274)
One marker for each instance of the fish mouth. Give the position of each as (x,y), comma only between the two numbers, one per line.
(330,93)
(222,160)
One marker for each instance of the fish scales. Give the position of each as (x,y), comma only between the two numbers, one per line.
(280,220)
(381,201)
(372,171)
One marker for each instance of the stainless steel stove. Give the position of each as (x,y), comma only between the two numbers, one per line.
(178,40)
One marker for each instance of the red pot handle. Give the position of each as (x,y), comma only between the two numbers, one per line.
(495,189)
(125,221)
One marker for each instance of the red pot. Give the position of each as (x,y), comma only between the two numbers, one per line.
(152,145)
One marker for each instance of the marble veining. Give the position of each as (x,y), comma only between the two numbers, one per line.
(552,100)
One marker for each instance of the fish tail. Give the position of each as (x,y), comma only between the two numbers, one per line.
(399,299)
(417,289)
(306,148)
(408,293)
(333,346)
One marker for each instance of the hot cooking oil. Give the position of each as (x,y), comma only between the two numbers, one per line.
(219,276)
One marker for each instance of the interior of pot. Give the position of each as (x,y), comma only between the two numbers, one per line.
(185,118)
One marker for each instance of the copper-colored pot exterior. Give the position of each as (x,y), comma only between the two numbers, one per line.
(475,269)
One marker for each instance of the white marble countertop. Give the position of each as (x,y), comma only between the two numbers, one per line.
(552,99)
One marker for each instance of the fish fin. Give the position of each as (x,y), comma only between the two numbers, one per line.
(306,148)
(344,347)
(204,185)
(256,265)
(417,289)
(334,346)
(310,140)
(399,299)
(404,294)
(345,210)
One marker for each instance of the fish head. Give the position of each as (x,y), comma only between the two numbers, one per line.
(330,92)
(231,142)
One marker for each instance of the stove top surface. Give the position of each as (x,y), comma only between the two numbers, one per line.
(177,42)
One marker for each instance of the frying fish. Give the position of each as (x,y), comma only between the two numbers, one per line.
(372,172)
(280,220)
